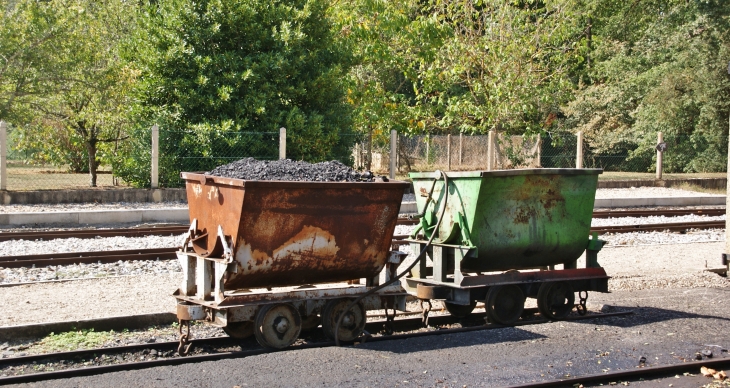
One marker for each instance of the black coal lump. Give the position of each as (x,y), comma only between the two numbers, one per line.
(289,170)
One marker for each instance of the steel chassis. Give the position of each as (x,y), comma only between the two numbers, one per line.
(446,281)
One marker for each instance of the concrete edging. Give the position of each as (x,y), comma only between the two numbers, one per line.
(100,195)
(96,217)
(100,324)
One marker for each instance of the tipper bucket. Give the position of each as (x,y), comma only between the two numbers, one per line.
(516,219)
(284,233)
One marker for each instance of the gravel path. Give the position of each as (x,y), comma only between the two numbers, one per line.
(87,299)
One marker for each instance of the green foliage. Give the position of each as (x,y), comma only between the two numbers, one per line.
(77,119)
(215,67)
(460,66)
(660,67)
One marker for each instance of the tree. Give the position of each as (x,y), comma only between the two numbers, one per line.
(94,104)
(33,53)
(215,68)
(461,66)
(657,66)
(85,104)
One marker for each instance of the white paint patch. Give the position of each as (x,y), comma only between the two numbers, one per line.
(311,246)
(197,190)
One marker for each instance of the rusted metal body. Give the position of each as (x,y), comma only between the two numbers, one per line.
(502,237)
(259,251)
(293,233)
(516,219)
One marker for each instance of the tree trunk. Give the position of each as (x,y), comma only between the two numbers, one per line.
(91,150)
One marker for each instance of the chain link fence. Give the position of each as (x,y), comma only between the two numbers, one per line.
(685,154)
(196,151)
(27,169)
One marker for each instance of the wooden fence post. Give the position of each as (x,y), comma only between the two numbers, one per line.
(155,156)
(579,151)
(282,143)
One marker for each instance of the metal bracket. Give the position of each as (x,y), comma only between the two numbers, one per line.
(189,235)
(227,252)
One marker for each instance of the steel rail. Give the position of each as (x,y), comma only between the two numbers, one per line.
(632,374)
(657,212)
(87,257)
(95,370)
(675,227)
(94,233)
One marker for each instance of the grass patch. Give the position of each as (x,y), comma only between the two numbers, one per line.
(81,339)
(690,187)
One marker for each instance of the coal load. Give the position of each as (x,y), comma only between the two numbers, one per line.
(289,170)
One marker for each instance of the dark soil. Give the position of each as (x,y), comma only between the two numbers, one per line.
(289,170)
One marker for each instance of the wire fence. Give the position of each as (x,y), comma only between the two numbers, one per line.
(29,169)
(194,151)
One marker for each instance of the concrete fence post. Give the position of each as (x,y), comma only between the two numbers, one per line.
(393,153)
(3,155)
(448,152)
(282,143)
(155,156)
(461,149)
(579,151)
(659,155)
(490,151)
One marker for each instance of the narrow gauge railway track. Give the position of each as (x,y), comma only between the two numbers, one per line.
(69,258)
(171,230)
(248,348)
(169,253)
(168,230)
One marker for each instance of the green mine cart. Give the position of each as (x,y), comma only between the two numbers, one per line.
(506,235)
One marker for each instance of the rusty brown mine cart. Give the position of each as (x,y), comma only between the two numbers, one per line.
(272,258)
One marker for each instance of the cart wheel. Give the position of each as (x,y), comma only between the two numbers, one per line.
(460,310)
(311,322)
(505,304)
(239,330)
(352,324)
(277,325)
(555,300)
